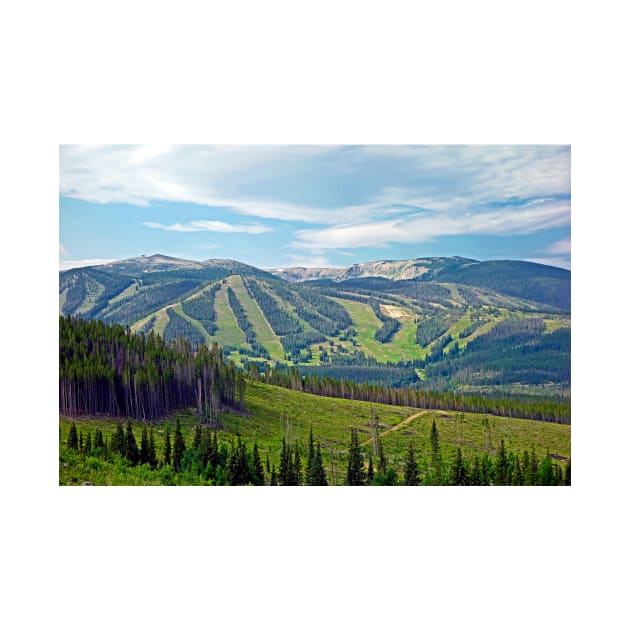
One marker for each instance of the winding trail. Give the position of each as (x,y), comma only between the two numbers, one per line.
(401,424)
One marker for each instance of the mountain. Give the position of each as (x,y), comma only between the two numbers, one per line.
(303,274)
(454,323)
(525,280)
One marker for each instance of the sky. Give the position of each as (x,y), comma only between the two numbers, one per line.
(278,206)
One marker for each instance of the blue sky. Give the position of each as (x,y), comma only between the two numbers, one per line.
(318,205)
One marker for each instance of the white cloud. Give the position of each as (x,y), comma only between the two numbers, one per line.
(307,261)
(426,226)
(443,178)
(560,247)
(209,226)
(62,250)
(64,265)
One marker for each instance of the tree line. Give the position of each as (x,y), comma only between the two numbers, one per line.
(105,369)
(547,409)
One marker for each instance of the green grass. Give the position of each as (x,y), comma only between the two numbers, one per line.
(403,345)
(132,289)
(264,333)
(228,333)
(275,412)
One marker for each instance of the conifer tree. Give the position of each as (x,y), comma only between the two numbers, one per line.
(567,473)
(297,465)
(145,454)
(320,473)
(370,471)
(197,439)
(73,438)
(475,473)
(117,443)
(98,440)
(459,474)
(501,467)
(545,473)
(152,453)
(179,447)
(287,475)
(517,473)
(88,443)
(273,481)
(412,475)
(237,468)
(355,475)
(257,472)
(436,456)
(131,446)
(531,473)
(382,459)
(167,447)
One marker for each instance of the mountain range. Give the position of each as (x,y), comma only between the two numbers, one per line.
(453,322)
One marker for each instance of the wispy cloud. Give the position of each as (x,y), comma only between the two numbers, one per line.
(62,250)
(64,265)
(387,180)
(560,247)
(210,226)
(316,260)
(426,226)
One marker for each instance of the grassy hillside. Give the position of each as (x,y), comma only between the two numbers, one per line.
(274,413)
(264,333)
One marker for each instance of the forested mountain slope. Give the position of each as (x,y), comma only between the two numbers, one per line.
(441,328)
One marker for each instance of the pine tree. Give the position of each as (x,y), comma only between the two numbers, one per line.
(412,475)
(475,474)
(88,443)
(98,440)
(531,473)
(167,447)
(355,475)
(73,438)
(370,471)
(517,473)
(179,447)
(545,473)
(117,443)
(197,439)
(459,474)
(145,454)
(131,446)
(320,473)
(297,465)
(436,456)
(257,473)
(273,481)
(237,467)
(382,459)
(501,467)
(152,452)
